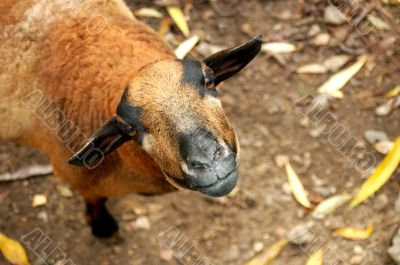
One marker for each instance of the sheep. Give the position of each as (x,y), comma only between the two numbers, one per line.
(73,69)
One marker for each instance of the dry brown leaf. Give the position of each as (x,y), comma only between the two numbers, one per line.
(337,81)
(314,68)
(148,12)
(206,49)
(27,172)
(392,2)
(384,146)
(278,47)
(394,92)
(335,62)
(317,258)
(13,251)
(268,255)
(329,205)
(389,106)
(380,176)
(333,15)
(164,27)
(185,47)
(321,39)
(64,191)
(378,23)
(3,195)
(178,17)
(296,186)
(355,233)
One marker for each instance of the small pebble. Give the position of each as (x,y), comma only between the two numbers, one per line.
(281,232)
(233,253)
(304,122)
(258,246)
(333,15)
(325,191)
(380,202)
(315,133)
(321,39)
(280,160)
(116,249)
(314,30)
(373,136)
(384,147)
(166,254)
(394,249)
(142,222)
(43,216)
(39,200)
(358,249)
(383,110)
(286,188)
(273,109)
(356,259)
(300,235)
(397,204)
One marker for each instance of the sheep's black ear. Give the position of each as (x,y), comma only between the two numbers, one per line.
(106,139)
(228,62)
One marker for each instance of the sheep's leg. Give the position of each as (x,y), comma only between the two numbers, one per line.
(99,219)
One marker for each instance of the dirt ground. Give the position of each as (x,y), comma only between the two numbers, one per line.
(259,103)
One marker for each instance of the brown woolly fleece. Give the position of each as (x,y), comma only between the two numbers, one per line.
(64,66)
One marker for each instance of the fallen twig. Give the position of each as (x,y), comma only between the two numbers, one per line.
(27,172)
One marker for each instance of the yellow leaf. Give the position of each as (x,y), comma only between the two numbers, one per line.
(268,255)
(355,233)
(379,177)
(337,81)
(296,186)
(39,200)
(13,251)
(278,47)
(394,92)
(148,12)
(317,258)
(185,47)
(329,205)
(177,15)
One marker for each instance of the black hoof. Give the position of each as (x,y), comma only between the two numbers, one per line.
(104,227)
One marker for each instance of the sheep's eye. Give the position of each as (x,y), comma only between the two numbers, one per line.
(209,79)
(209,83)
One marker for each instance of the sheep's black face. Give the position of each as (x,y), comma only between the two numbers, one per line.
(172,110)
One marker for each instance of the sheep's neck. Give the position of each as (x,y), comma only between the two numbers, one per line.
(86,74)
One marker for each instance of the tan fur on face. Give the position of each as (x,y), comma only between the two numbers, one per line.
(171,107)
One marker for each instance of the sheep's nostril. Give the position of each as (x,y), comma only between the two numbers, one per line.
(218,153)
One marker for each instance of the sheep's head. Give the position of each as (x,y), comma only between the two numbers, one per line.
(172,110)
